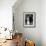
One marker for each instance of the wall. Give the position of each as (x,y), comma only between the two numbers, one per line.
(29,33)
(43,22)
(6,13)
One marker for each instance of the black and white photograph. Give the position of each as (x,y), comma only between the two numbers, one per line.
(29,19)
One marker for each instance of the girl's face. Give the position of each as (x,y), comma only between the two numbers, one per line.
(28,18)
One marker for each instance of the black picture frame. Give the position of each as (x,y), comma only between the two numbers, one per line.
(29,19)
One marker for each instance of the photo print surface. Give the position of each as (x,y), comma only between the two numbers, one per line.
(29,19)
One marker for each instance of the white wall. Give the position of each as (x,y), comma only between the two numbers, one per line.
(6,13)
(38,33)
(43,22)
(29,33)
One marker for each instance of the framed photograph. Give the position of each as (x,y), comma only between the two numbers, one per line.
(29,19)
